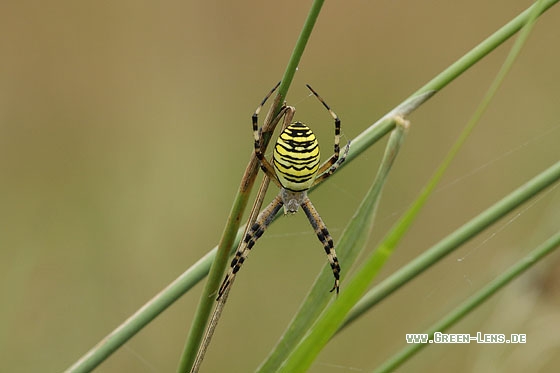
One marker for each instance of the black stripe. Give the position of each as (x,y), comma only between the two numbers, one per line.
(295,167)
(293,149)
(297,133)
(296,180)
(309,165)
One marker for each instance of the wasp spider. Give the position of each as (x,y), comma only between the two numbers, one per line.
(295,168)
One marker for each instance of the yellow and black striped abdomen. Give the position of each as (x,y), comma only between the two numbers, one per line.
(296,157)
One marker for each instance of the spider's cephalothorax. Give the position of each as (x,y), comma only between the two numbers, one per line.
(295,169)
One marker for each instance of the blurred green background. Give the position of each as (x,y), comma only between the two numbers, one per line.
(125,128)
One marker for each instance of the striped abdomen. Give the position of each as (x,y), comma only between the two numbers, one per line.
(296,157)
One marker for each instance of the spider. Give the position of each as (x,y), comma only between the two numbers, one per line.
(295,168)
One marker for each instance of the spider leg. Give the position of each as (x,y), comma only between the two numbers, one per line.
(288,113)
(329,162)
(325,238)
(257,229)
(333,167)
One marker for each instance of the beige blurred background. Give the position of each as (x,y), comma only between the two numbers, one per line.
(125,128)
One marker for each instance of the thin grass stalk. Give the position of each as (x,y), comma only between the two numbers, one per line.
(220,304)
(474,301)
(385,125)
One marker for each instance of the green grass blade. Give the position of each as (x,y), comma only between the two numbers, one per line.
(474,301)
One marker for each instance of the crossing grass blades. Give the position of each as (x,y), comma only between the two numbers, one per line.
(295,169)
